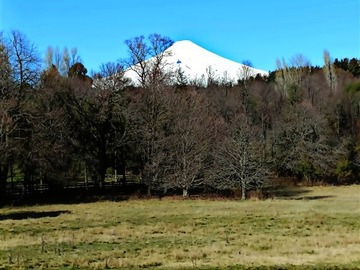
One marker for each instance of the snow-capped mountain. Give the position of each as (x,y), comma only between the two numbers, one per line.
(197,63)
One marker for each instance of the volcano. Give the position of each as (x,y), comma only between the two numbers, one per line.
(198,65)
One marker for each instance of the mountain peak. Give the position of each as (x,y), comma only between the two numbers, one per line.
(185,44)
(197,64)
(188,49)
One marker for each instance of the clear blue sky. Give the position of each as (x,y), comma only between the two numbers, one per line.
(258,30)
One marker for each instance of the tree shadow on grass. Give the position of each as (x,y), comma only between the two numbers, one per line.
(293,193)
(311,198)
(32,214)
(285,192)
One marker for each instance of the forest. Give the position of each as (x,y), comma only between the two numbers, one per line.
(60,125)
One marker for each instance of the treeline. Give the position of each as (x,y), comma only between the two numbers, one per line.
(60,125)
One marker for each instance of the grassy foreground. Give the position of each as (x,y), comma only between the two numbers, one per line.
(315,228)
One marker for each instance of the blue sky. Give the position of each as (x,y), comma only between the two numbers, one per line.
(258,30)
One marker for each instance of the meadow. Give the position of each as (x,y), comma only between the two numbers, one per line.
(305,228)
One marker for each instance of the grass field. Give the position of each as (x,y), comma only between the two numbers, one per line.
(312,228)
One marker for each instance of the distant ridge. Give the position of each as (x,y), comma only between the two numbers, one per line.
(196,63)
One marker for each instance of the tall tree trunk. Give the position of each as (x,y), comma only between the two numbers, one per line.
(101,165)
(28,185)
(97,179)
(185,192)
(243,190)
(101,176)
(3,178)
(97,174)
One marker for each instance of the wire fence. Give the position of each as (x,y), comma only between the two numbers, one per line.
(19,188)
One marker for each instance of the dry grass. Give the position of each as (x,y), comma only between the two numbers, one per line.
(318,227)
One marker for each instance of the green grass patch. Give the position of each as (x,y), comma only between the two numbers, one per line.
(321,231)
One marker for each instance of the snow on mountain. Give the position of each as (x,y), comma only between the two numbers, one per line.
(196,63)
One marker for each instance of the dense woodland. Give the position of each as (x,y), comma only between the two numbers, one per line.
(60,125)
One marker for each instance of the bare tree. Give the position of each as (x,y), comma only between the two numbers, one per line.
(148,111)
(189,142)
(7,125)
(158,70)
(281,78)
(24,61)
(138,54)
(111,76)
(6,122)
(57,59)
(7,129)
(65,61)
(62,61)
(75,58)
(240,160)
(49,58)
(301,145)
(329,71)
(211,77)
(245,73)
(95,118)
(148,116)
(147,59)
(292,78)
(268,104)
(20,73)
(52,155)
